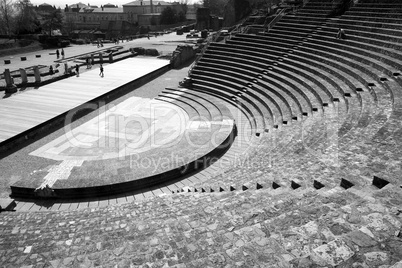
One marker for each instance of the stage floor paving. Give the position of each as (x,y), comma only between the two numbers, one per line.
(26,111)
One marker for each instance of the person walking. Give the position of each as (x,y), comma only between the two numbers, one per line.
(62,53)
(77,70)
(88,60)
(57,54)
(101,71)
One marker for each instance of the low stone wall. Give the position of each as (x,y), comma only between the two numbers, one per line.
(182,55)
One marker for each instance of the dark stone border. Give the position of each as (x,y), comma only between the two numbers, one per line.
(129,186)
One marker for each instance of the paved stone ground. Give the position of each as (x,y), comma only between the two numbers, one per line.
(165,45)
(254,228)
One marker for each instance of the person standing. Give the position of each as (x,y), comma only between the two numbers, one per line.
(62,53)
(101,71)
(77,70)
(341,34)
(57,54)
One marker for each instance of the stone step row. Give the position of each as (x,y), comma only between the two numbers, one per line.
(239,232)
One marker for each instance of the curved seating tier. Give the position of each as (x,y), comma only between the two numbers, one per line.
(177,229)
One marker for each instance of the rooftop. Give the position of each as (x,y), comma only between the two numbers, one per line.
(102,10)
(147,3)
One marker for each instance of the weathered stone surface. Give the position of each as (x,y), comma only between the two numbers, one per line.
(334,252)
(361,239)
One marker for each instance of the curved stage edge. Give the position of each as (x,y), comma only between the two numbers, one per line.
(128,186)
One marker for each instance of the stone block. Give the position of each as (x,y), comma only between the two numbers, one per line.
(379,183)
(346,184)
(333,253)
(10,87)
(24,78)
(37,74)
(275,185)
(7,204)
(8,78)
(295,185)
(318,185)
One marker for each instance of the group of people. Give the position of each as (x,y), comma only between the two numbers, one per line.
(58,53)
(89,63)
(77,70)
(100,43)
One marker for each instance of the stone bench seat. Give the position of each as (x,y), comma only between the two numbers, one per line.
(204,111)
(289,100)
(312,19)
(388,56)
(371,66)
(253,98)
(270,99)
(375,9)
(255,114)
(266,51)
(394,36)
(309,13)
(375,19)
(394,6)
(318,5)
(191,108)
(289,92)
(371,14)
(363,29)
(218,108)
(244,142)
(260,41)
(365,36)
(308,84)
(313,10)
(259,52)
(229,108)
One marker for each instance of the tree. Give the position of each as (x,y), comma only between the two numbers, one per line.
(216,7)
(7,17)
(181,16)
(184,6)
(153,20)
(53,21)
(168,16)
(27,20)
(69,24)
